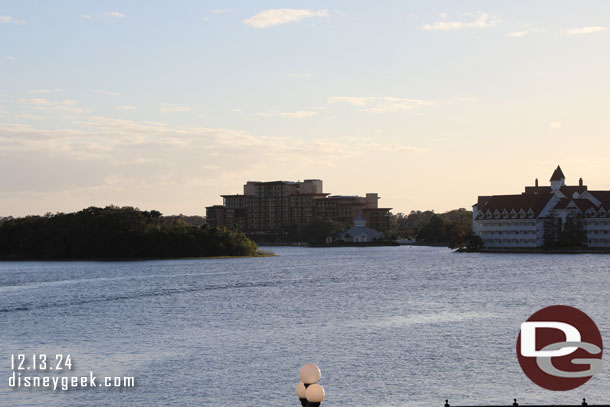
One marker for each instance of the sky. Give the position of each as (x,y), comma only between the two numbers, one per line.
(166,105)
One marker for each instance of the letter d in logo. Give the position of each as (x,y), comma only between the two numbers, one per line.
(552,346)
(528,338)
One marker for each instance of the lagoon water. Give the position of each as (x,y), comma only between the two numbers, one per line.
(389,326)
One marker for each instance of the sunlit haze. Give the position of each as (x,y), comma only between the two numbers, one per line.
(167,105)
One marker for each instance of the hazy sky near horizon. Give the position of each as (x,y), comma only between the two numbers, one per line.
(166,105)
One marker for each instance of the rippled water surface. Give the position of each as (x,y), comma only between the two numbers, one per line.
(389,326)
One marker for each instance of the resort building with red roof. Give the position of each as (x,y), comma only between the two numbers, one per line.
(544,215)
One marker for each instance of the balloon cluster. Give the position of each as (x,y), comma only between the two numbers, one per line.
(310,393)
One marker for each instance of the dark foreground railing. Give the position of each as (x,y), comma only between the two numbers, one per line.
(515,404)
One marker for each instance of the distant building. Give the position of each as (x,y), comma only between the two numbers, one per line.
(279,210)
(542,213)
(360,233)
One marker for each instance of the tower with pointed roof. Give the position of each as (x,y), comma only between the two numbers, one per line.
(557,179)
(539,215)
(360,221)
(360,233)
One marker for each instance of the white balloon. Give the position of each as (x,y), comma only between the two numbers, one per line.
(301,390)
(315,393)
(310,373)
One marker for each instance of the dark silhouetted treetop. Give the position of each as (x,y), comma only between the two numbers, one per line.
(115,233)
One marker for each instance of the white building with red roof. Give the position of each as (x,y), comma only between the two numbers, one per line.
(542,213)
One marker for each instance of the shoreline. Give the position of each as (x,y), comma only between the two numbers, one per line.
(540,251)
(142,258)
(367,244)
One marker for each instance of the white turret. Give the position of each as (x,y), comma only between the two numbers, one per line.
(360,221)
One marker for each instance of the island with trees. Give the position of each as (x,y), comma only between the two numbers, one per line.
(116,233)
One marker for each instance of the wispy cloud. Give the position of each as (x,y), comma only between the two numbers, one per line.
(106,92)
(10,58)
(586,30)
(10,20)
(115,14)
(352,100)
(517,34)
(46,104)
(42,91)
(27,116)
(171,108)
(223,10)
(301,75)
(391,104)
(405,149)
(272,17)
(125,107)
(107,15)
(35,101)
(300,114)
(114,139)
(380,104)
(104,159)
(482,20)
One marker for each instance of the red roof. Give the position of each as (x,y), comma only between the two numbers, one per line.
(562,204)
(537,197)
(516,202)
(567,190)
(584,204)
(581,203)
(603,197)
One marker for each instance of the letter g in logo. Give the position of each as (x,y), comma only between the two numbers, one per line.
(559,348)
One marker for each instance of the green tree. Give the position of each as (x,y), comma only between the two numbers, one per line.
(431,227)
(466,241)
(318,230)
(116,233)
(563,234)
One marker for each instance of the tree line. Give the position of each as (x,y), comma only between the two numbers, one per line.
(453,228)
(116,233)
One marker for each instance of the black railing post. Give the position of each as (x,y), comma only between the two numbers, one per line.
(516,404)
